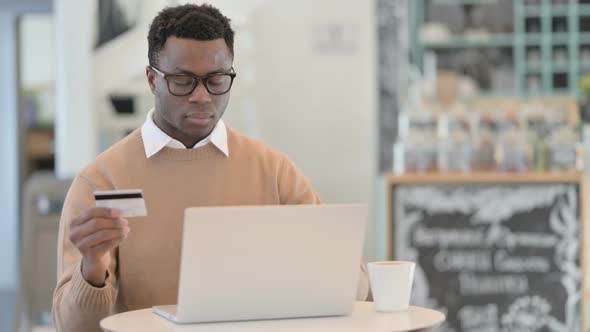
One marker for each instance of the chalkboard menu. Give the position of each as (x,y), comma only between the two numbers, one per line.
(493,256)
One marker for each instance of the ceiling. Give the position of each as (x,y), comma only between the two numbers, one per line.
(26,6)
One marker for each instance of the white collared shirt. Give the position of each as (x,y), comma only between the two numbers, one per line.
(154,139)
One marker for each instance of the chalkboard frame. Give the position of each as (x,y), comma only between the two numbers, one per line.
(483,178)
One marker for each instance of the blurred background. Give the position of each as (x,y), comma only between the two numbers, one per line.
(354,91)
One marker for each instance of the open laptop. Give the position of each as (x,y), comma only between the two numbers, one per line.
(268,262)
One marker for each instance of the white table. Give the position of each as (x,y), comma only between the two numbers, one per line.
(364,318)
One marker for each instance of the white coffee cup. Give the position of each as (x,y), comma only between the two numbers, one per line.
(391,284)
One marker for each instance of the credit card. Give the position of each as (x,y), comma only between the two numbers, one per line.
(129,201)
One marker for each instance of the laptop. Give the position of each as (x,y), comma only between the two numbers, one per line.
(268,262)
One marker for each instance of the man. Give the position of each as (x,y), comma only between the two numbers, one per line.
(182,156)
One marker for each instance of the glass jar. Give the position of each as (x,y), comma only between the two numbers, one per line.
(563,146)
(483,143)
(512,152)
(454,146)
(419,143)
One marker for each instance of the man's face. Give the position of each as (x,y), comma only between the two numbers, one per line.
(190,118)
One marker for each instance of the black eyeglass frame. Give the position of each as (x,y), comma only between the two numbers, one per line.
(195,81)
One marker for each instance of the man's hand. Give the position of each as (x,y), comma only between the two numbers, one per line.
(95,233)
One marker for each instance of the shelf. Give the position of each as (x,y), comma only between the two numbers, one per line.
(560,38)
(556,10)
(533,38)
(39,144)
(560,10)
(492,40)
(562,92)
(496,94)
(584,38)
(464,2)
(534,68)
(560,69)
(532,10)
(541,43)
(583,9)
(501,40)
(486,177)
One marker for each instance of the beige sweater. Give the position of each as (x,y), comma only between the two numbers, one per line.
(145,268)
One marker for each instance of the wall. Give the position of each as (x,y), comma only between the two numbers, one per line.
(37,50)
(75,131)
(9,149)
(316,95)
(316,103)
(10,177)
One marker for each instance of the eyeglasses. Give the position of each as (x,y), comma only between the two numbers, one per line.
(184,84)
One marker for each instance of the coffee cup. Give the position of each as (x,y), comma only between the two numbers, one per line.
(391,284)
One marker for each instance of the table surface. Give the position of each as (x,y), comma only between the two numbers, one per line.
(364,318)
